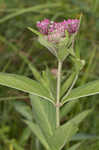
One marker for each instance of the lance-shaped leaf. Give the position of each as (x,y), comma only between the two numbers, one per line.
(79,64)
(23,109)
(50,46)
(62,135)
(37,131)
(44,114)
(65,46)
(35,31)
(50,83)
(47,80)
(65,109)
(80,117)
(25,135)
(43,41)
(84,136)
(77,120)
(75,146)
(88,89)
(24,84)
(62,47)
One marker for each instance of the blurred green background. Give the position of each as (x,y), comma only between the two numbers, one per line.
(16,39)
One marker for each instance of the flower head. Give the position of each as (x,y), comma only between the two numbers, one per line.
(72,25)
(43,26)
(56,30)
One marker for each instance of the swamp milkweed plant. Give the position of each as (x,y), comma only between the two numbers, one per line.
(52,97)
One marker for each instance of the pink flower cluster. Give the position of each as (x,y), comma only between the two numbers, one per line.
(43,26)
(56,30)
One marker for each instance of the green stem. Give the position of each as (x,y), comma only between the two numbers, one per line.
(58,94)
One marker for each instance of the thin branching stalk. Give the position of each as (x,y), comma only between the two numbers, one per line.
(58,94)
(73,83)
